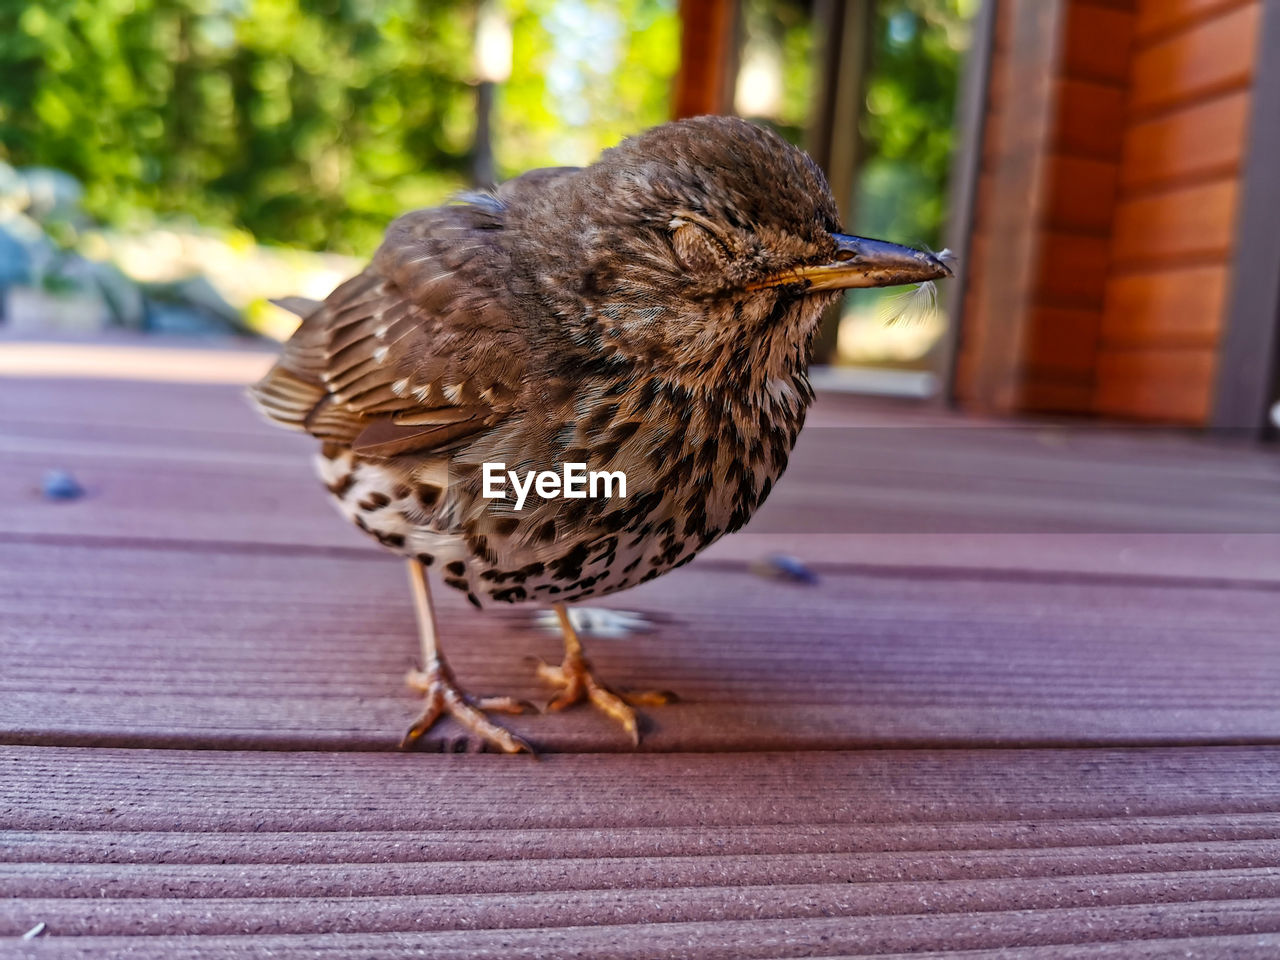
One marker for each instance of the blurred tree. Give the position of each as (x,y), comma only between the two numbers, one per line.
(776,65)
(313,122)
(310,122)
(907,126)
(586,74)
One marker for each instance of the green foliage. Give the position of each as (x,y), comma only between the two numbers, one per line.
(314,122)
(785,29)
(310,122)
(907,127)
(586,74)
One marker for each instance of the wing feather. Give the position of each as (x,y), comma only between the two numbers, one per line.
(414,353)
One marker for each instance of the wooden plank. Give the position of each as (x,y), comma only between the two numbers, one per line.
(1170,308)
(967,359)
(893,475)
(138,486)
(1195,223)
(998,81)
(1071,270)
(1205,139)
(1249,371)
(1214,57)
(1081,194)
(310,651)
(1170,385)
(1002,28)
(519,892)
(1063,340)
(927,849)
(1219,840)
(1055,392)
(1224,558)
(982,203)
(1165,16)
(656,942)
(996,336)
(1097,42)
(131,360)
(1090,119)
(923,908)
(200,791)
(708,58)
(179,466)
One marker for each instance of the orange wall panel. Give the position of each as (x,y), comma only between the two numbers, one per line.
(1192,222)
(1165,16)
(1081,194)
(1091,119)
(1215,55)
(1135,215)
(1072,270)
(1182,307)
(1163,383)
(1202,139)
(1097,42)
(1064,341)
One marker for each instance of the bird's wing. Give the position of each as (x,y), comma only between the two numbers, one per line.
(415,352)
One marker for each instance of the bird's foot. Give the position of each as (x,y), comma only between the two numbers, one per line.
(577,683)
(443,696)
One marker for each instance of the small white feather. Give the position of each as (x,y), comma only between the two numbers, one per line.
(911,306)
(920,303)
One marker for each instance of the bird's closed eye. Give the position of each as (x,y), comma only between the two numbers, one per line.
(697,247)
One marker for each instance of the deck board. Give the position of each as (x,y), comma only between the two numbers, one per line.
(244,648)
(988,849)
(1030,710)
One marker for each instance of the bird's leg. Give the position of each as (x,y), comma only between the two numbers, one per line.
(577,682)
(441,691)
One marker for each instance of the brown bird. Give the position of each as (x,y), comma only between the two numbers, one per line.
(652,314)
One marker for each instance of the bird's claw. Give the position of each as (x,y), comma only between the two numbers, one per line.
(443,696)
(577,683)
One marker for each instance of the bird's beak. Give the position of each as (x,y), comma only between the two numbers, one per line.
(862,262)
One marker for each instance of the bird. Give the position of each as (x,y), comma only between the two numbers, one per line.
(652,314)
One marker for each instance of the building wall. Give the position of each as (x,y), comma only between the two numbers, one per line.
(1128,201)
(1190,76)
(1080,178)
(1047,232)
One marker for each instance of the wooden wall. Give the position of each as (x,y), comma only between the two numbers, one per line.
(1100,248)
(1079,185)
(1184,145)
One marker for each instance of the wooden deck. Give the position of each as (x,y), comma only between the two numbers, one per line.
(1031,709)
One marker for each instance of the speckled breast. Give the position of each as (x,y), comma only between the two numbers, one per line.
(689,480)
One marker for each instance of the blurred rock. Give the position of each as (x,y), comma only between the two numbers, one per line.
(30,310)
(122,296)
(51,194)
(15,258)
(61,485)
(780,566)
(190,306)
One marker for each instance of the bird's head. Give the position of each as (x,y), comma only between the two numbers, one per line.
(679,245)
